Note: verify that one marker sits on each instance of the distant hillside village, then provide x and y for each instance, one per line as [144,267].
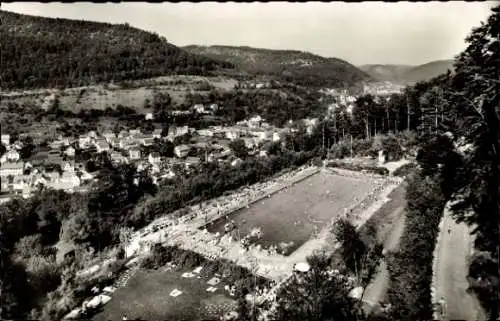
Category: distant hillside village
[64,162]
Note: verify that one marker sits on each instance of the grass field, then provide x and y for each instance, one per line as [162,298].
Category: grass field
[293,214]
[101,97]
[146,296]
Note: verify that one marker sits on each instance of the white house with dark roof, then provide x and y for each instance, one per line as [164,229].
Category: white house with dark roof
[148,141]
[181,150]
[102,146]
[176,131]
[134,153]
[117,158]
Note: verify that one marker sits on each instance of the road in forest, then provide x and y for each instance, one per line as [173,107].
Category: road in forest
[454,248]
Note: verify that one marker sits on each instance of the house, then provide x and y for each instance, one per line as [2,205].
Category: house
[157,133]
[180,112]
[255,122]
[214,107]
[102,146]
[149,116]
[276,137]
[263,153]
[123,134]
[249,143]
[114,142]
[118,158]
[148,141]
[261,135]
[70,152]
[205,132]
[12,169]
[109,136]
[134,153]
[134,132]
[92,134]
[127,142]
[199,108]
[232,134]
[68,181]
[192,161]
[12,155]
[14,183]
[182,151]
[144,139]
[154,158]
[176,131]
[5,138]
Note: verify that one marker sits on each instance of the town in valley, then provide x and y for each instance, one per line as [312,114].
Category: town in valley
[151,179]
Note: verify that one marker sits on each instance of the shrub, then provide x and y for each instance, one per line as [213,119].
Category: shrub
[410,269]
[357,167]
[405,170]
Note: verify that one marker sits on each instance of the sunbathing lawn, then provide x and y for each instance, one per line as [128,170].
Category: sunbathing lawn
[294,213]
[147,296]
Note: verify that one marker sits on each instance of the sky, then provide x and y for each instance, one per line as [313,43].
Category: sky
[361,33]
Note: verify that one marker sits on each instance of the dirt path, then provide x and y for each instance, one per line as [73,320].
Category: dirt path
[377,289]
[451,282]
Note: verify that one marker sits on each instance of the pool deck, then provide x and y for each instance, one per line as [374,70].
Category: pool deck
[277,267]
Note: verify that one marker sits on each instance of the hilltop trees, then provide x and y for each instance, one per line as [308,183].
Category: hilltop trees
[46,52]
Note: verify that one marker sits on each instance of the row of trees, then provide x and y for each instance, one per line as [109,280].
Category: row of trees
[469,177]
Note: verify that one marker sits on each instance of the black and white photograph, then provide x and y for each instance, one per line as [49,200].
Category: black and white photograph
[259,161]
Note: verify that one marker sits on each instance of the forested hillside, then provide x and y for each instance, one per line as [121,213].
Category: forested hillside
[405,74]
[46,52]
[301,67]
